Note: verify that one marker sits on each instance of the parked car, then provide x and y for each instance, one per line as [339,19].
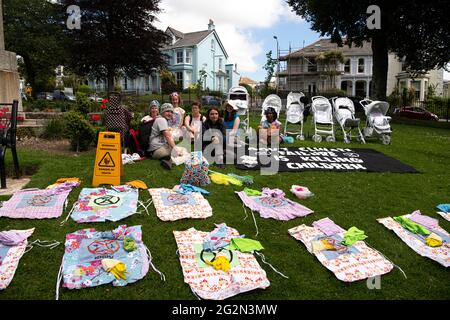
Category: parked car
[64,96]
[211,101]
[44,96]
[415,113]
[95,97]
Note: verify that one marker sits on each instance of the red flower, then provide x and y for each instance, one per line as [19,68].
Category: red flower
[103,106]
[96,117]
[105,101]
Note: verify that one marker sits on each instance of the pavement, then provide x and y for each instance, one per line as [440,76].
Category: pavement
[14,185]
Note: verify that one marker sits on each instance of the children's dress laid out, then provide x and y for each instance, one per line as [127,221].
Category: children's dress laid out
[213,269]
[100,204]
[341,252]
[38,203]
[13,244]
[93,258]
[422,234]
[273,204]
[172,205]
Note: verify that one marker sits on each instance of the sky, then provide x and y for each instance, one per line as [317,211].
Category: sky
[245,27]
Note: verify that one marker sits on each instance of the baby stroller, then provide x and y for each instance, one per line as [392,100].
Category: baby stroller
[294,114]
[239,96]
[274,101]
[377,123]
[322,118]
[344,113]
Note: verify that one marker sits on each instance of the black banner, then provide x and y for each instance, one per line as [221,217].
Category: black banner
[320,159]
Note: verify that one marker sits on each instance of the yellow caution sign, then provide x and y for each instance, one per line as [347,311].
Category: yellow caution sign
[108,159]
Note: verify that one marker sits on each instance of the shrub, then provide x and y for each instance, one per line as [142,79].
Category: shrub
[330,93]
[84,89]
[83,104]
[78,131]
[55,129]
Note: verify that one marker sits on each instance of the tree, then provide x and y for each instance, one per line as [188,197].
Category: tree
[116,36]
[34,31]
[168,82]
[270,68]
[330,61]
[415,30]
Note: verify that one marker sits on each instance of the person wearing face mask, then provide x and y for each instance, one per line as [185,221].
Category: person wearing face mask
[177,121]
[154,111]
[162,144]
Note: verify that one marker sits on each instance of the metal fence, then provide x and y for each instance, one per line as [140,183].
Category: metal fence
[441,108]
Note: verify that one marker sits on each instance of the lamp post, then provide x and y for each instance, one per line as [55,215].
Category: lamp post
[278,63]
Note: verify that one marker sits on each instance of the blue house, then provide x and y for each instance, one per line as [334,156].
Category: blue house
[189,53]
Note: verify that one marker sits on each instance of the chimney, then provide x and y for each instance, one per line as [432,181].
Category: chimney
[211,25]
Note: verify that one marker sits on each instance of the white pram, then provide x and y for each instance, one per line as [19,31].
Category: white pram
[377,123]
[322,113]
[344,113]
[294,114]
[239,96]
[274,101]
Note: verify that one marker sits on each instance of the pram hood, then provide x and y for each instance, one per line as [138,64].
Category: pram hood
[274,101]
[294,107]
[376,108]
[321,109]
[345,102]
[239,96]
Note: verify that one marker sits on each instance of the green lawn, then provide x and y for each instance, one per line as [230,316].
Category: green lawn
[350,199]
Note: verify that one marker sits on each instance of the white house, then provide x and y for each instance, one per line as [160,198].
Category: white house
[188,54]
[301,72]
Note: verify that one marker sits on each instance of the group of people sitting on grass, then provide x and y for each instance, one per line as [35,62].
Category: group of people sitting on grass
[167,125]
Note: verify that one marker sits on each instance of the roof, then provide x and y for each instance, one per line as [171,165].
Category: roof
[247,80]
[323,45]
[187,39]
[177,33]
[221,73]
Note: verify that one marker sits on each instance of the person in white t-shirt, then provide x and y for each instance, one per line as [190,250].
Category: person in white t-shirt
[193,122]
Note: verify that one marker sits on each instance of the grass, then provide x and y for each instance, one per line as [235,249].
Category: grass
[350,199]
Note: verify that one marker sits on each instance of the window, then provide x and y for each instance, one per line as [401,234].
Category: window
[347,66]
[213,45]
[167,58]
[189,56]
[312,66]
[360,65]
[220,63]
[180,56]
[188,78]
[125,84]
[416,86]
[179,77]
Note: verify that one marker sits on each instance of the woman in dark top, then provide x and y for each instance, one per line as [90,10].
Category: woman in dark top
[213,131]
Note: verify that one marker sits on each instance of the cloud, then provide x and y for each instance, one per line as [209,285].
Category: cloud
[234,21]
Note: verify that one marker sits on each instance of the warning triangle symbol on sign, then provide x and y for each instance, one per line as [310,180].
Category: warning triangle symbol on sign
[107,161]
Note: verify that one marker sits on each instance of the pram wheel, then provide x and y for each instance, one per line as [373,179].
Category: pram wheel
[330,139]
[300,137]
[317,138]
[386,139]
